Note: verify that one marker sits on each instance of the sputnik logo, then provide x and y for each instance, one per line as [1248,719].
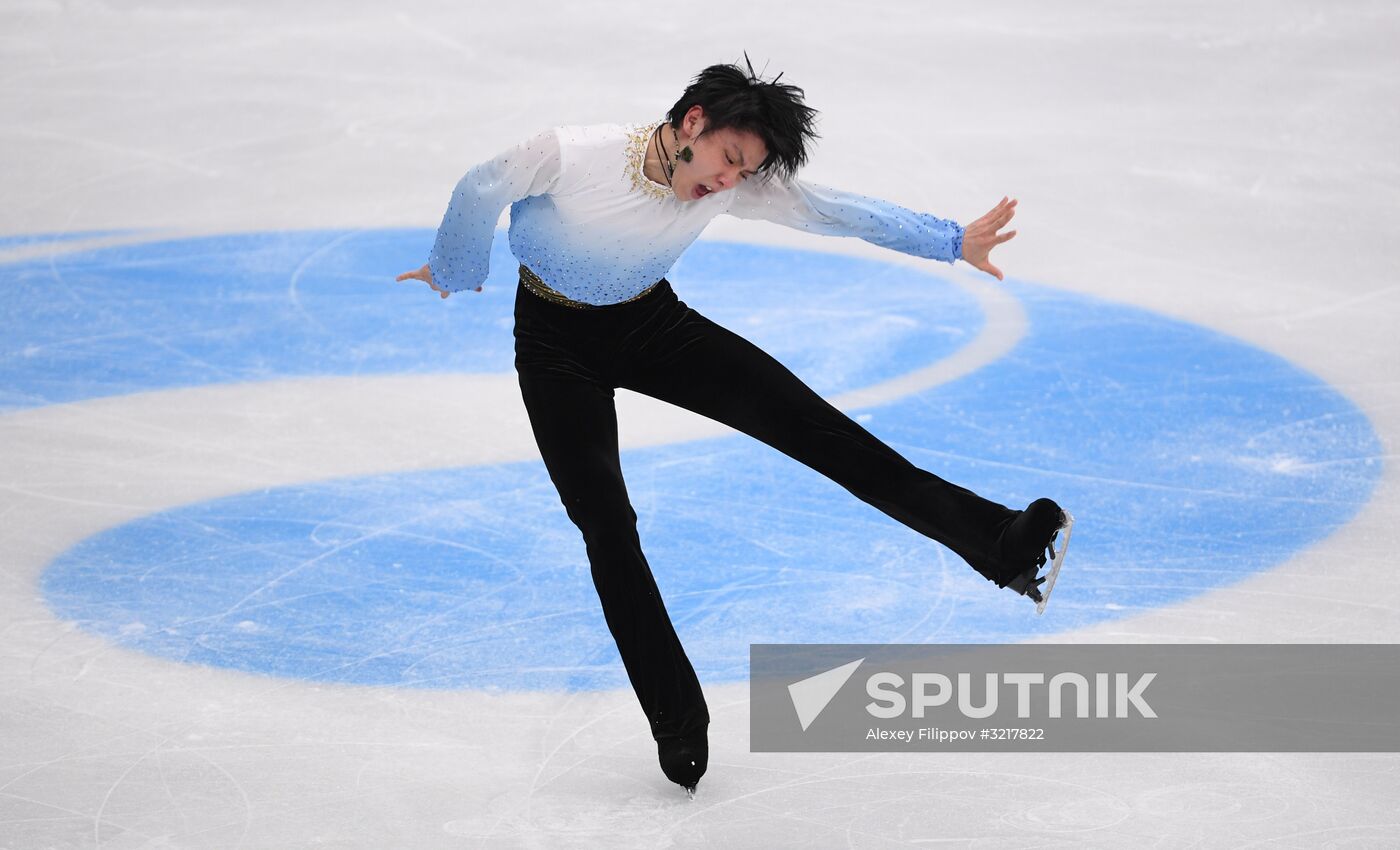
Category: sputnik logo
[812,695]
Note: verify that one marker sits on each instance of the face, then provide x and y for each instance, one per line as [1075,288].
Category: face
[721,158]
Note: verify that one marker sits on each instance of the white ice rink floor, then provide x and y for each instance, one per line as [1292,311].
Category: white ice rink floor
[202,204]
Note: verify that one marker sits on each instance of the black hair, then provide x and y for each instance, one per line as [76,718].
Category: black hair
[738,99]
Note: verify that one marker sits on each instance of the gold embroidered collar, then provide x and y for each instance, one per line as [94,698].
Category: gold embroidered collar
[638,139]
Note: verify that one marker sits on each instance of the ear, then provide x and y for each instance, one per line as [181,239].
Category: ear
[693,124]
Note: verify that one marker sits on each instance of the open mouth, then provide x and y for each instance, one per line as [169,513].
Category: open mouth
[701,191]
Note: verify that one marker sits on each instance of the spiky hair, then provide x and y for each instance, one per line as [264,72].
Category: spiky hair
[736,98]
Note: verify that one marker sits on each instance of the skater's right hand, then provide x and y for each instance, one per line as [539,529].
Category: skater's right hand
[425,274]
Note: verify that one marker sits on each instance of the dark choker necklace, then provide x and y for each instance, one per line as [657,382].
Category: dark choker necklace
[668,168]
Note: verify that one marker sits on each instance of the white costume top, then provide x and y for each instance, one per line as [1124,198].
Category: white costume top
[594,228]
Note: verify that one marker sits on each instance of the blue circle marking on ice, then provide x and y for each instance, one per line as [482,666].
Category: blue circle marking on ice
[1191,459]
[255,307]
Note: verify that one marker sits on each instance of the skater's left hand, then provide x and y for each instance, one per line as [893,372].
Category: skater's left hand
[980,237]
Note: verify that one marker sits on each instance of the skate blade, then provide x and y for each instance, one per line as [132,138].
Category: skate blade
[1063,540]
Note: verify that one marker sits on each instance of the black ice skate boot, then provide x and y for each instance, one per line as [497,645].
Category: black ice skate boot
[1024,545]
[684,758]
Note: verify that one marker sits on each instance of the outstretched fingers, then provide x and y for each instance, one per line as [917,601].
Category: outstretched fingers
[984,234]
[996,217]
[425,274]
[1007,211]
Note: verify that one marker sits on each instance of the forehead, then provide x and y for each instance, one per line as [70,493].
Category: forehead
[747,142]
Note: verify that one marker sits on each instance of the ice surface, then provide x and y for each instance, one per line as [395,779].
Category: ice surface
[1231,166]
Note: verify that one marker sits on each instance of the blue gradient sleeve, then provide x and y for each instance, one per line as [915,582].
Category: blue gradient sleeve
[832,212]
[460,258]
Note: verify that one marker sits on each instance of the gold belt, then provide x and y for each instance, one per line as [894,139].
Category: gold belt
[532,282]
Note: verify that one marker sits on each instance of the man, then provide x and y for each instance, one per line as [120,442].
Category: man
[599,215]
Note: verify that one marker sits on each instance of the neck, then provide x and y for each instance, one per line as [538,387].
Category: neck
[653,166]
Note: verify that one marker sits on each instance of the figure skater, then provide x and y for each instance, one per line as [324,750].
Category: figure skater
[598,216]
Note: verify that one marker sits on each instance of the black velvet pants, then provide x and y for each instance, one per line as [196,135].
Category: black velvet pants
[569,362]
